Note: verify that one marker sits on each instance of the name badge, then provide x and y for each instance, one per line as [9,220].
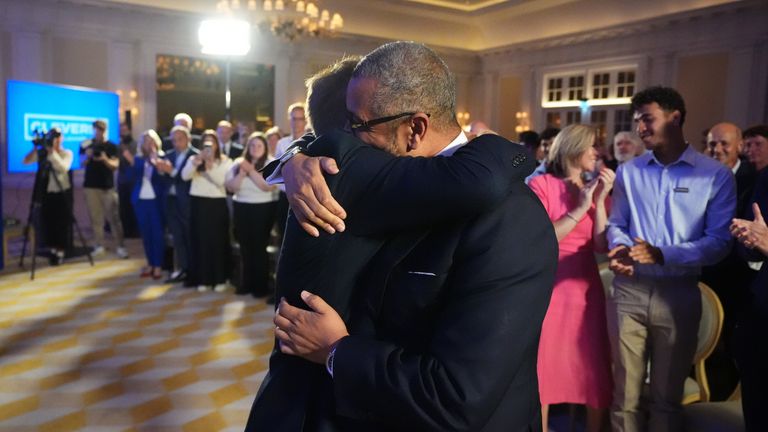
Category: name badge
[681,189]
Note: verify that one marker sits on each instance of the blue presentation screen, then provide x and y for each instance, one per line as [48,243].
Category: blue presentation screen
[44,106]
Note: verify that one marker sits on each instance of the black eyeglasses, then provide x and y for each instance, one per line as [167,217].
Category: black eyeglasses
[367,125]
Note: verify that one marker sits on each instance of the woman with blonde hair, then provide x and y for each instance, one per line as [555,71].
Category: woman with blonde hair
[148,199]
[209,215]
[254,204]
[574,355]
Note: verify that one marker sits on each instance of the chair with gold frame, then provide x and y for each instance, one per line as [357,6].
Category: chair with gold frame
[710,327]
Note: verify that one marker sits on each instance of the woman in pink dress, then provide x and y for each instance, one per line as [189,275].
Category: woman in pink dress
[574,355]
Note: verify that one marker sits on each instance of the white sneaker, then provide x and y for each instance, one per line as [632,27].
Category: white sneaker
[122,253]
[97,251]
[221,287]
[203,288]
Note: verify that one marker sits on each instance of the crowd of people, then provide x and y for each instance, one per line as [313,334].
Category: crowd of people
[673,216]
[205,190]
[429,297]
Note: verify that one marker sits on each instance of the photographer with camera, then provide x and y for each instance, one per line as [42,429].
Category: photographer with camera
[209,215]
[99,157]
[56,202]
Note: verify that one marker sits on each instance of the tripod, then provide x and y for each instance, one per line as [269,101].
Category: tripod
[42,176]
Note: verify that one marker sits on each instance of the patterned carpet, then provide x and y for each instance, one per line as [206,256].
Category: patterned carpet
[99,349]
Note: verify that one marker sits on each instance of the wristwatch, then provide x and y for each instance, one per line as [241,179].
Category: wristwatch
[291,152]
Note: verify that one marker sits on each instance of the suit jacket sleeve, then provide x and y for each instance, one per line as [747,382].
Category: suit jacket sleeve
[387,194]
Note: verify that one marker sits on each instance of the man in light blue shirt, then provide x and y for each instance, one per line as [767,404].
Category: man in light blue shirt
[671,212]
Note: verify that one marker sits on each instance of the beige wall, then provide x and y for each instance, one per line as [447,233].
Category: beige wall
[702,81]
[80,62]
[510,90]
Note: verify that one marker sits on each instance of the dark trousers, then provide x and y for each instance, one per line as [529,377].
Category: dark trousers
[56,215]
[178,225]
[210,262]
[150,220]
[127,215]
[752,359]
[253,223]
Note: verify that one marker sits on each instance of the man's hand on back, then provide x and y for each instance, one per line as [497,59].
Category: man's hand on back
[308,334]
[309,196]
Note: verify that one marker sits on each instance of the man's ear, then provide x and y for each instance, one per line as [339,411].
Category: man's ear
[419,128]
[676,117]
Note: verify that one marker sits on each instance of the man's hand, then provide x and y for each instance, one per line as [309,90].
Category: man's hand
[645,253]
[308,334]
[752,234]
[619,261]
[309,196]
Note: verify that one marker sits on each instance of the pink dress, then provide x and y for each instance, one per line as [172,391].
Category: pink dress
[574,353]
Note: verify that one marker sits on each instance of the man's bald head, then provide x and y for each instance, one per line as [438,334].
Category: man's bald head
[724,143]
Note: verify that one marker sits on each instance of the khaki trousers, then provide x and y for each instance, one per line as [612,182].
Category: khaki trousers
[654,319]
[102,203]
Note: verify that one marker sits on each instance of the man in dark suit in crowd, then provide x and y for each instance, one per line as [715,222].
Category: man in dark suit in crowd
[731,277]
[233,149]
[752,352]
[444,297]
[177,199]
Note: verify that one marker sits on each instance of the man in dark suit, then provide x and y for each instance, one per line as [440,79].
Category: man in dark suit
[752,352]
[731,277]
[451,312]
[232,149]
[177,200]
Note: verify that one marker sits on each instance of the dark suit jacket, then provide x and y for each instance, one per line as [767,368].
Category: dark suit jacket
[382,195]
[182,186]
[450,340]
[235,150]
[759,287]
[731,277]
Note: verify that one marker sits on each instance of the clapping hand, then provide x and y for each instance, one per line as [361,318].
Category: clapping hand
[604,184]
[752,234]
[645,253]
[246,168]
[619,261]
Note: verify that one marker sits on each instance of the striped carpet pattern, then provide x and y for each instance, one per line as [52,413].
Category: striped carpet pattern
[98,349]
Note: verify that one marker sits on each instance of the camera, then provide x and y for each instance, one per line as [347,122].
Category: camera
[97,149]
[45,139]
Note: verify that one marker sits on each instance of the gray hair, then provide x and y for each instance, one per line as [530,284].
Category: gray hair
[627,136]
[186,118]
[410,77]
[182,129]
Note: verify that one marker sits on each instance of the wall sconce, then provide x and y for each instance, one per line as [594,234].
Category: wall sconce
[523,122]
[128,104]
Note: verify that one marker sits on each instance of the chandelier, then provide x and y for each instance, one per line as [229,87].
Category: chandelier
[286,19]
